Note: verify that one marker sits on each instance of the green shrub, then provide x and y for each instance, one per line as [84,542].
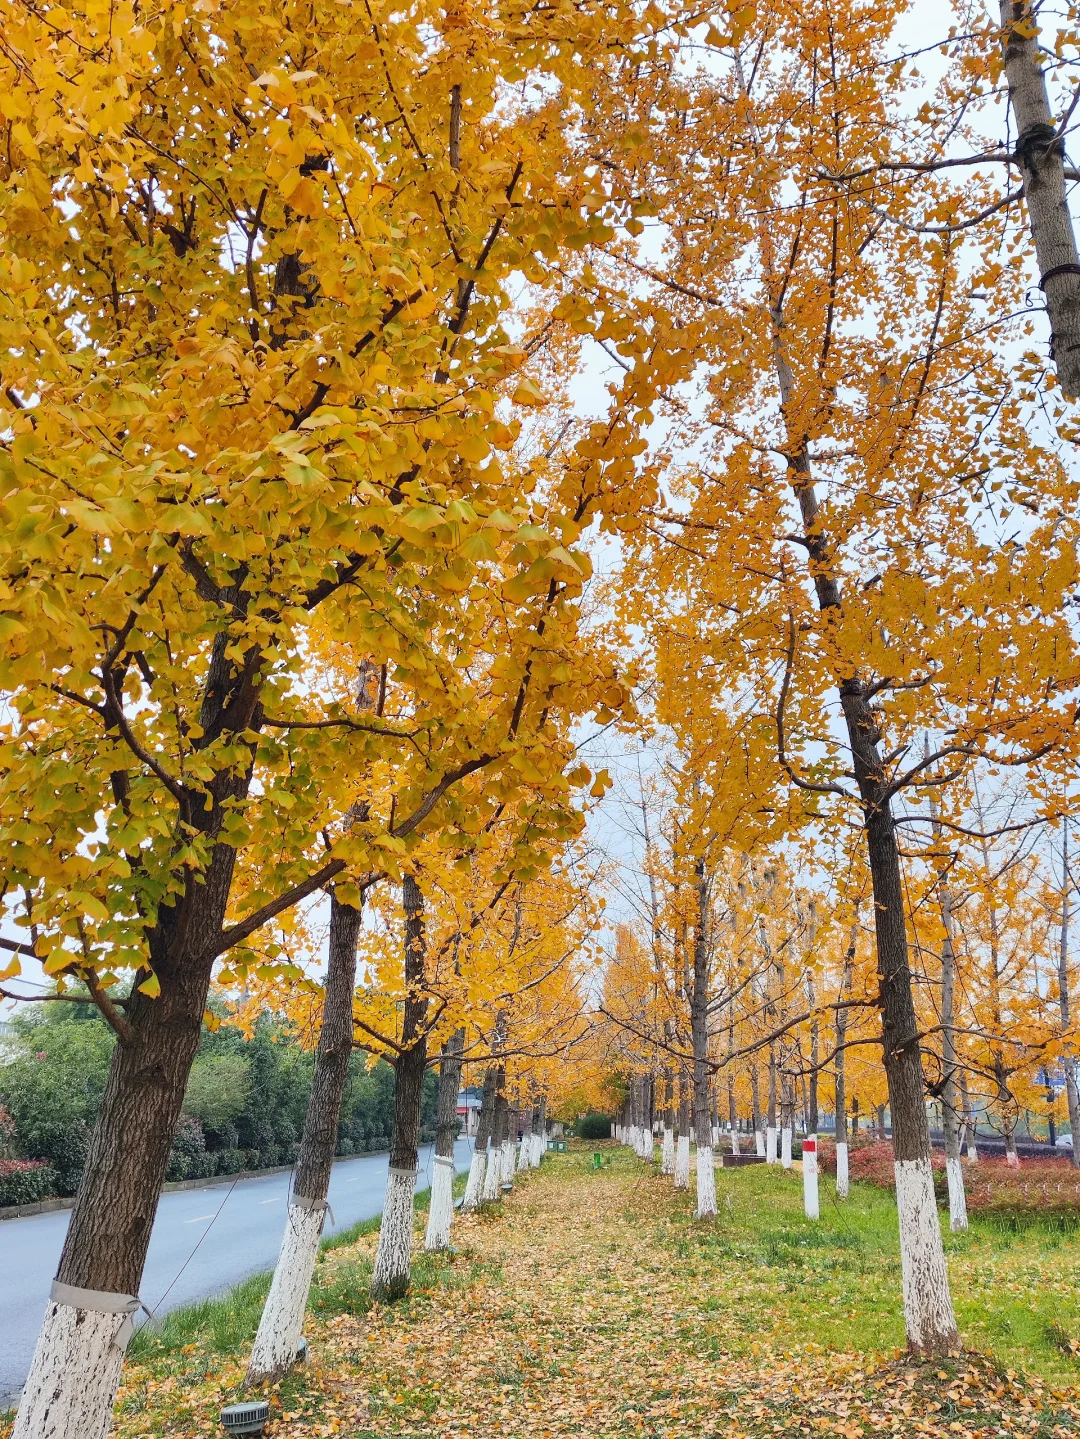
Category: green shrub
[594,1126]
[218,1089]
[53,1086]
[25,1181]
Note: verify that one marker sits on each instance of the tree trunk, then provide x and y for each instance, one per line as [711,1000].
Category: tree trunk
[474,1188]
[541,1132]
[970,1119]
[733,1115]
[682,1145]
[755,1100]
[1040,154]
[392,1271]
[525,1143]
[667,1152]
[278,1340]
[699,1016]
[950,1107]
[441,1208]
[75,1371]
[1068,1059]
[787,1118]
[506,1148]
[771,1130]
[842,1180]
[928,1311]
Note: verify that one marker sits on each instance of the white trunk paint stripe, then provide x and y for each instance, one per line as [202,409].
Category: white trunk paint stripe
[958,1219]
[70,1390]
[441,1206]
[393,1258]
[282,1321]
[682,1162]
[928,1311]
[706,1183]
[842,1183]
[810,1177]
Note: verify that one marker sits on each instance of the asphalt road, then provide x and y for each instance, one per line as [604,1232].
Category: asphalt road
[240,1232]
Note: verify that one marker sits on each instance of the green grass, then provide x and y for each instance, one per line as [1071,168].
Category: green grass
[836,1282]
[226,1324]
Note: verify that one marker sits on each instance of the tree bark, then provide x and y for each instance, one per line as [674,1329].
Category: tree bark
[682,1142]
[842,1180]
[950,1106]
[441,1208]
[755,1100]
[699,1025]
[667,1152]
[280,1327]
[474,1188]
[787,1118]
[392,1271]
[1040,154]
[1068,1058]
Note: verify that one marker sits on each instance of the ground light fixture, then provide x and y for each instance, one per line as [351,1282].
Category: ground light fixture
[246,1418]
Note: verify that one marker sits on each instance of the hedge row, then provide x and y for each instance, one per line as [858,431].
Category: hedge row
[26,1181]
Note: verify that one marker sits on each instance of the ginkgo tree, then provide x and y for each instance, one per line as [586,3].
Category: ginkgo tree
[871,535]
[254,283]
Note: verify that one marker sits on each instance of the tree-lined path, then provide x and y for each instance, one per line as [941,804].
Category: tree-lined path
[590,1303]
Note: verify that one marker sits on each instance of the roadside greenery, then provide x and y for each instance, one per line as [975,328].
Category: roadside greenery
[244,1107]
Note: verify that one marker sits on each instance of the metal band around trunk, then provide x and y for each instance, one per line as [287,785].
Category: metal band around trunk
[444,1159]
[404,1173]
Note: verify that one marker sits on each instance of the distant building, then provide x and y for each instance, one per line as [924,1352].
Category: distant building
[468,1109]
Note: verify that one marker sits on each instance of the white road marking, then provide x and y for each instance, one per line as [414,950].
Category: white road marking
[276,1200]
[198,1219]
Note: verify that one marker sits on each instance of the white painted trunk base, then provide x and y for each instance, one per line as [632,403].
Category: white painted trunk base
[649,1147]
[843,1184]
[1012,1159]
[706,1183]
[682,1162]
[759,1143]
[811,1206]
[537,1150]
[491,1191]
[507,1168]
[474,1185]
[972,1152]
[958,1219]
[281,1325]
[785,1148]
[928,1310]
[73,1379]
[522,1161]
[735,1142]
[393,1258]
[770,1145]
[667,1152]
[441,1209]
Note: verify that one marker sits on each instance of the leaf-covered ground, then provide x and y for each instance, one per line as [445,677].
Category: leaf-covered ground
[590,1303]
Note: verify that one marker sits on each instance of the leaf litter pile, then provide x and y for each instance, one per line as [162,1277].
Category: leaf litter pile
[589,1302]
